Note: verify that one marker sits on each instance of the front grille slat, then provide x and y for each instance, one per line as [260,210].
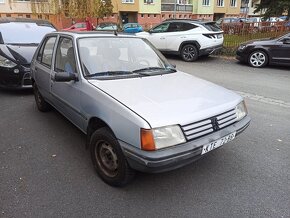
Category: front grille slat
[190,137]
[227,119]
[195,125]
[204,127]
[227,123]
[189,132]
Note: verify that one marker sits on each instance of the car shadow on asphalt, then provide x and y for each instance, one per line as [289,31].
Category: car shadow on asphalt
[15,92]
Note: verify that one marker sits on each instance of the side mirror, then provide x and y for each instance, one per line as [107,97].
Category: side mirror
[65,77]
[286,40]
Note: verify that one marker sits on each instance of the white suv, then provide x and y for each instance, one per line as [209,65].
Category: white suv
[187,38]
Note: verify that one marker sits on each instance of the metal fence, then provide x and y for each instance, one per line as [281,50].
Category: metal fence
[236,33]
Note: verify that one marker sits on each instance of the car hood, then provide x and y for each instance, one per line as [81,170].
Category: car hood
[176,98]
[22,54]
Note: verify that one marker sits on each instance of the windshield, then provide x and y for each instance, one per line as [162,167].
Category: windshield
[115,56]
[23,33]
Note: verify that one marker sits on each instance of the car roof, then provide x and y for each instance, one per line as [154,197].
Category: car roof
[188,21]
[81,34]
[27,20]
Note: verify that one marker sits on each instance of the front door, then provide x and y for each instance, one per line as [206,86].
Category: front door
[66,95]
[281,52]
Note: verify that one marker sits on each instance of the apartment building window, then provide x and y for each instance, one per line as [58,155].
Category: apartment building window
[8,15]
[233,3]
[184,2]
[205,2]
[148,1]
[127,1]
[142,15]
[220,3]
[27,16]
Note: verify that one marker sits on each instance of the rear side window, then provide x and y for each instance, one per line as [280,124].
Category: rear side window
[188,26]
[45,53]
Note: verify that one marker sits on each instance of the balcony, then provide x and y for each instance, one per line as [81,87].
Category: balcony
[179,7]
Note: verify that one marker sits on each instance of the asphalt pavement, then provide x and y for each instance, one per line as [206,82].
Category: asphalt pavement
[45,170]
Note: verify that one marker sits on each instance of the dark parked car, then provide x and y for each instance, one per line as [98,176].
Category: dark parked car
[259,53]
[19,39]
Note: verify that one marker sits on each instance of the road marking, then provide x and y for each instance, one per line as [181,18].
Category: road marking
[264,99]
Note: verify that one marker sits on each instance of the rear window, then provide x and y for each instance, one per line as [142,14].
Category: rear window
[212,27]
[24,32]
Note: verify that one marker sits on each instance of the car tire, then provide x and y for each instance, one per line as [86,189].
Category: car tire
[258,59]
[109,160]
[41,104]
[189,53]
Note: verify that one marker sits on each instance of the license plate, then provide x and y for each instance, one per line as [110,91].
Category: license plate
[218,143]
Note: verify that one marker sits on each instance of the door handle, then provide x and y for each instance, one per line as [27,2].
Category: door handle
[162,38]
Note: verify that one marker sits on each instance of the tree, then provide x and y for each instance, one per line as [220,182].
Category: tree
[74,8]
[273,8]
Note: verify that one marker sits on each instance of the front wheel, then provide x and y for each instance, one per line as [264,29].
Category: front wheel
[189,53]
[108,159]
[258,59]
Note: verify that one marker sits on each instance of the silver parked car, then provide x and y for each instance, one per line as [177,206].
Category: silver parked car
[137,110]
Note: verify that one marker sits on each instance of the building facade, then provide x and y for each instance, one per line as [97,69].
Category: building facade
[146,12]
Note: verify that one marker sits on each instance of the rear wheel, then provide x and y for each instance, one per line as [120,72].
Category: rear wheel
[108,158]
[41,104]
[189,53]
[258,58]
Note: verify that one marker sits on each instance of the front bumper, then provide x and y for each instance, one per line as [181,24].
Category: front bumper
[176,156]
[241,56]
[11,80]
[210,50]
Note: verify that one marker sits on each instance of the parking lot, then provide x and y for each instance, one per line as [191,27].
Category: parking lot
[45,170]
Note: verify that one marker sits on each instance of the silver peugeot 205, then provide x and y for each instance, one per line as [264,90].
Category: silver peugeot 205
[137,110]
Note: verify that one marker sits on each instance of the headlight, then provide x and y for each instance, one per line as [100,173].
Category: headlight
[4,62]
[242,47]
[163,137]
[241,110]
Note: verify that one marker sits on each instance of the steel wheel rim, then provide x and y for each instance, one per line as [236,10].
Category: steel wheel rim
[107,159]
[188,53]
[258,59]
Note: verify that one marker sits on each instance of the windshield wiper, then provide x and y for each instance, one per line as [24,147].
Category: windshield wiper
[150,69]
[110,73]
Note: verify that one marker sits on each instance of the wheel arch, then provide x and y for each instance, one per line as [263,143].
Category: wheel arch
[189,42]
[94,124]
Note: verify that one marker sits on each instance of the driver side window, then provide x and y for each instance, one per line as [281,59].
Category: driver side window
[161,28]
